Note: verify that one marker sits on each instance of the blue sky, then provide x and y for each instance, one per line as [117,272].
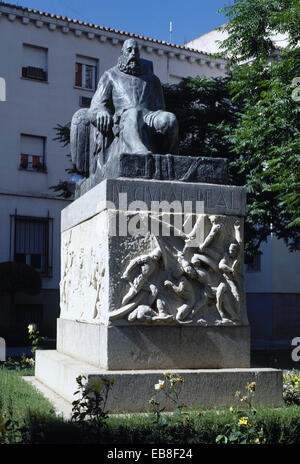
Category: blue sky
[151,18]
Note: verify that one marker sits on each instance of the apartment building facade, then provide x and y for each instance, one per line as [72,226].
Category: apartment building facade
[51,66]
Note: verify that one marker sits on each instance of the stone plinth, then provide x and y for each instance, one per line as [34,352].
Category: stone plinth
[139,288]
[202,388]
[159,347]
[152,280]
[158,167]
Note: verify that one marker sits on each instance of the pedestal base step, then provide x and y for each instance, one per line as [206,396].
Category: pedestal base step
[132,390]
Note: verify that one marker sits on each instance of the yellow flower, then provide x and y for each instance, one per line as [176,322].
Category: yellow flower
[160,385]
[175,380]
[31,328]
[154,402]
[243,421]
[231,409]
[168,375]
[257,440]
[237,394]
[30,361]
[251,386]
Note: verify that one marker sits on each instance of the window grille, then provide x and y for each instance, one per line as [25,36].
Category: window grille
[32,242]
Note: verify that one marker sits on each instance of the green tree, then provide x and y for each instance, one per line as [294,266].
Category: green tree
[63,137]
[204,111]
[266,137]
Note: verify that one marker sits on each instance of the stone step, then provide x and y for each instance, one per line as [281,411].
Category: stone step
[132,389]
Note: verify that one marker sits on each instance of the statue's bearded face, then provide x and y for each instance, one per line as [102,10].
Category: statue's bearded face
[129,61]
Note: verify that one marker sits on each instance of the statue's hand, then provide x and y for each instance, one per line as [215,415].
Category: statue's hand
[104,122]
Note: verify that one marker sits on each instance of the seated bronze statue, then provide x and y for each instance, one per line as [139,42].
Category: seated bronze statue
[127,115]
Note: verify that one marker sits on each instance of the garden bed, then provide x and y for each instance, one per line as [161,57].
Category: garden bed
[27,417]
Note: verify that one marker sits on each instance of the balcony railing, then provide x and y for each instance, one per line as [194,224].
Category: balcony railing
[34,73]
[32,162]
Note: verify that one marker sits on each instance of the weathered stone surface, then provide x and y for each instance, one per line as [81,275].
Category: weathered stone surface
[145,347]
[202,388]
[158,167]
[143,278]
[158,278]
[121,194]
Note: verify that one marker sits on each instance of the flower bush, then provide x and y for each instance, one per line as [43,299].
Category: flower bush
[34,336]
[244,429]
[171,387]
[91,405]
[291,387]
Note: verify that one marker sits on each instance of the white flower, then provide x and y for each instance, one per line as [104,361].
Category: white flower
[159,385]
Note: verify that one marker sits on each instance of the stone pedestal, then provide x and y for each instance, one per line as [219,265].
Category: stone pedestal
[132,389]
[152,279]
[160,347]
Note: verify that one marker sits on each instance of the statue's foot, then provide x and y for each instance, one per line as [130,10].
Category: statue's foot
[189,322]
[163,317]
[225,321]
[202,322]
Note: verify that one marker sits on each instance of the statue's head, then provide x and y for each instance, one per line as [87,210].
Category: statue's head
[216,220]
[186,267]
[156,254]
[129,60]
[234,250]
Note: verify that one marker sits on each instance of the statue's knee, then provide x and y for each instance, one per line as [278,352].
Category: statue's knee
[132,113]
[81,117]
[166,122]
[172,121]
[79,139]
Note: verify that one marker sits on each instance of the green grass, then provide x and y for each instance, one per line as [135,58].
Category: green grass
[19,401]
[32,420]
[18,393]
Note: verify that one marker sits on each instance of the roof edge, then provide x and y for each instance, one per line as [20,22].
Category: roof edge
[102,28]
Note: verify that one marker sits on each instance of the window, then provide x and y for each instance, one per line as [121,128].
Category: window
[85,102]
[32,239]
[32,157]
[34,62]
[86,72]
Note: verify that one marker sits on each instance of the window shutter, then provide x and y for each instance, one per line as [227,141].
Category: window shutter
[78,75]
